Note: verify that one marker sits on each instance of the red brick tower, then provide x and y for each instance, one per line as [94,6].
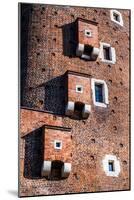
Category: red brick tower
[74,126]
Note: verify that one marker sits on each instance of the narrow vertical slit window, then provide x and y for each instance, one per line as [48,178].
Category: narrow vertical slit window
[106,52]
[111,166]
[116,17]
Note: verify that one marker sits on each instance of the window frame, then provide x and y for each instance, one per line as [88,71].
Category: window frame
[79,86]
[105,93]
[111,51]
[102,92]
[58,141]
[112,12]
[111,158]
[87,30]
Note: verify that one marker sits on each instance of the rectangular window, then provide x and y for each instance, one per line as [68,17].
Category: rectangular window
[99,92]
[107,53]
[116,17]
[111,166]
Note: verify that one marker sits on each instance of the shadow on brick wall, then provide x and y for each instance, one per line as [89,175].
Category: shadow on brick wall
[34,157]
[34,154]
[69,36]
[54,95]
[24,12]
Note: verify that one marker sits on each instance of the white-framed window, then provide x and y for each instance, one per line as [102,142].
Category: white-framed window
[79,88]
[99,92]
[111,165]
[107,53]
[57,144]
[116,17]
[88,33]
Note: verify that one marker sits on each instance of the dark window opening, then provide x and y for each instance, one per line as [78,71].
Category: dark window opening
[111,166]
[78,110]
[116,17]
[58,144]
[99,93]
[79,89]
[56,170]
[87,50]
[88,33]
[79,106]
[107,53]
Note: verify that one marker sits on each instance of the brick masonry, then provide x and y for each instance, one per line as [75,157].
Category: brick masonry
[73,81]
[47,52]
[53,154]
[93,40]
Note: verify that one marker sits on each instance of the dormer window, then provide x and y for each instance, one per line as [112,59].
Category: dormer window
[116,17]
[87,39]
[88,33]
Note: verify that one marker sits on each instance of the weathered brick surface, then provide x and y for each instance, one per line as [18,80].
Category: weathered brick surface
[82,38]
[77,79]
[63,154]
[106,131]
[31,120]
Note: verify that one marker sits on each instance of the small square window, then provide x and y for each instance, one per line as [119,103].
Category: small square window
[111,166]
[99,92]
[88,33]
[57,144]
[79,88]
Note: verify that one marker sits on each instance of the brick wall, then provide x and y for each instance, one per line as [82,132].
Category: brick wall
[50,53]
[51,153]
[85,82]
[82,26]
